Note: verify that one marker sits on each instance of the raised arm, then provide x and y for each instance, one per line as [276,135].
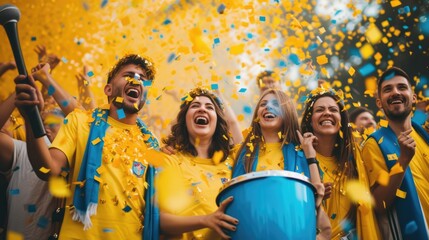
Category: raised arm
[6,143]
[66,102]
[86,97]
[6,66]
[41,158]
[234,127]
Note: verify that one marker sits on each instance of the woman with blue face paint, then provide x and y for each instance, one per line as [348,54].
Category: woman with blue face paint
[272,143]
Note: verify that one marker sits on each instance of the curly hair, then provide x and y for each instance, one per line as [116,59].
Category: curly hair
[288,133]
[179,136]
[143,62]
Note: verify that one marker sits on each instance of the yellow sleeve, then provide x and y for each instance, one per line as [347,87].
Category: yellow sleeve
[66,139]
[373,160]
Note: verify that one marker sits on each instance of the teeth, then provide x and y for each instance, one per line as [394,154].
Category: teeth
[327,122]
[201,121]
[269,115]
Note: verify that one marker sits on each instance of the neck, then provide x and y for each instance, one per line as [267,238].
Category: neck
[128,119]
[270,136]
[399,126]
[326,145]
[202,147]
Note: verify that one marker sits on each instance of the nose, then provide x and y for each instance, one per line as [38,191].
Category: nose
[327,112]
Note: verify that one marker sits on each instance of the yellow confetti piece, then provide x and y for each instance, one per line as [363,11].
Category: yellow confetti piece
[322,59]
[136,106]
[217,157]
[395,3]
[81,184]
[280,135]
[225,137]
[240,117]
[340,133]
[119,99]
[366,51]
[401,194]
[98,179]
[322,30]
[352,71]
[101,169]
[96,141]
[373,34]
[384,123]
[396,169]
[44,170]
[58,187]
[383,178]
[381,140]
[358,192]
[392,157]
[237,49]
[11,235]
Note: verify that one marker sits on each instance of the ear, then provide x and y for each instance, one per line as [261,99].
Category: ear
[414,100]
[108,90]
[378,103]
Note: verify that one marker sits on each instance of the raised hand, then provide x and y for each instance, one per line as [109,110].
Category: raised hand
[407,146]
[27,94]
[308,141]
[41,52]
[219,220]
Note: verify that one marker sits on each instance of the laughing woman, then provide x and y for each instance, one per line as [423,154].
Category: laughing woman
[272,144]
[202,162]
[340,161]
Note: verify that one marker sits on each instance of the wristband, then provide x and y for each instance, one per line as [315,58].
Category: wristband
[312,160]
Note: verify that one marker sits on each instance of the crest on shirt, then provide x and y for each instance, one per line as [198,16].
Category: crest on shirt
[138,169]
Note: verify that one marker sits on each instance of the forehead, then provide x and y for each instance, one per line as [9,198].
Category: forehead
[268,78]
[394,81]
[202,99]
[131,68]
[268,97]
[365,115]
[325,101]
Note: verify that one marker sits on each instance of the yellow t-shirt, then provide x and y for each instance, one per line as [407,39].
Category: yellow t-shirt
[338,205]
[122,173]
[419,165]
[271,158]
[203,179]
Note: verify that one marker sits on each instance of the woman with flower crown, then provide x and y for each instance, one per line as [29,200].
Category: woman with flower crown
[340,162]
[202,164]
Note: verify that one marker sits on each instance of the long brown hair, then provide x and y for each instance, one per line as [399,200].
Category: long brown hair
[255,139]
[179,136]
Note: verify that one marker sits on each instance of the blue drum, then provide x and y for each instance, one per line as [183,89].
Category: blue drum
[271,204]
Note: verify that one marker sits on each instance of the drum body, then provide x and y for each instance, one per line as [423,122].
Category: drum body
[271,205]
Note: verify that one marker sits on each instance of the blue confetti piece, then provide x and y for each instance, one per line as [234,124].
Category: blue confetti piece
[51,90]
[161,36]
[104,3]
[205,31]
[126,209]
[31,208]
[195,184]
[333,21]
[346,225]
[390,76]
[166,22]
[107,230]
[238,77]
[247,109]
[90,74]
[367,69]
[249,35]
[159,97]
[65,103]
[295,59]
[147,83]
[405,27]
[171,57]
[266,49]
[215,86]
[16,169]
[33,39]
[216,41]
[121,113]
[124,36]
[65,121]
[64,60]
[337,12]
[262,18]
[43,222]
[312,46]
[282,63]
[333,216]
[242,90]
[155,30]
[14,191]
[221,8]
[302,99]
[232,26]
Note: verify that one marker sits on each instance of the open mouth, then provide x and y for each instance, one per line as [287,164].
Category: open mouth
[327,123]
[269,115]
[396,101]
[132,92]
[201,120]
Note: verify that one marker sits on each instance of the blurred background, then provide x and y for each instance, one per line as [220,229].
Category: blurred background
[225,44]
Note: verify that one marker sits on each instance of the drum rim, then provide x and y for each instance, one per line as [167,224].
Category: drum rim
[263,174]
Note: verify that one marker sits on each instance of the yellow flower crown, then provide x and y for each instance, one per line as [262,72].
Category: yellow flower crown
[198,91]
[321,91]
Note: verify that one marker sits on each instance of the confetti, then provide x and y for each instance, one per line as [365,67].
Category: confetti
[401,194]
[358,192]
[11,235]
[384,123]
[121,114]
[58,187]
[96,141]
[44,170]
[126,209]
[217,157]
[322,60]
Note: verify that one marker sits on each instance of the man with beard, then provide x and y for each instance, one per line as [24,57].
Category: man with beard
[396,157]
[104,153]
